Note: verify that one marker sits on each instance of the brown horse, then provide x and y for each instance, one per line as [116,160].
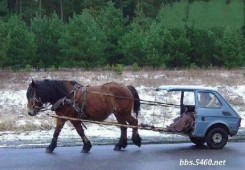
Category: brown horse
[68,98]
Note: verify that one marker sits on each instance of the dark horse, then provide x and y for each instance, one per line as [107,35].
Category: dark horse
[68,98]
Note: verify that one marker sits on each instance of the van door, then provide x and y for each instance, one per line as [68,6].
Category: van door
[208,108]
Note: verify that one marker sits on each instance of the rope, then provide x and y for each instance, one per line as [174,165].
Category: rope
[147,102]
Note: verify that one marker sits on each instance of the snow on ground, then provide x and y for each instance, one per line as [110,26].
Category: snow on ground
[13,102]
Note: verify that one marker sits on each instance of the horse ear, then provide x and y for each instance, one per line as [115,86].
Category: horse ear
[33,83]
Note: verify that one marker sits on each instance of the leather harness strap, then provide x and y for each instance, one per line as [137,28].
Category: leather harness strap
[65,100]
[82,113]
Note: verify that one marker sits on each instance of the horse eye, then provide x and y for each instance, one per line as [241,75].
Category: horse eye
[32,92]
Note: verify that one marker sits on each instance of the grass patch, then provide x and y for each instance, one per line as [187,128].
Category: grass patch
[11,122]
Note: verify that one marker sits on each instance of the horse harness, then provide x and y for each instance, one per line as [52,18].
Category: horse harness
[73,102]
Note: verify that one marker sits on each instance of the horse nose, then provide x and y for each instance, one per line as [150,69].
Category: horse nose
[31,112]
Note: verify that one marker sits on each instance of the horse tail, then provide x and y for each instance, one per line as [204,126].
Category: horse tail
[136,100]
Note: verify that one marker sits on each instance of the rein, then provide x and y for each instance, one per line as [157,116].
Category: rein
[45,108]
[73,103]
[80,110]
[146,102]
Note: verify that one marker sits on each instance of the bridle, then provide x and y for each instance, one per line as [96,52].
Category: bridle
[45,107]
[35,99]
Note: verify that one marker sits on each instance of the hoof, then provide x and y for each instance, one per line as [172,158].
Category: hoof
[117,148]
[124,144]
[85,151]
[86,147]
[137,140]
[48,150]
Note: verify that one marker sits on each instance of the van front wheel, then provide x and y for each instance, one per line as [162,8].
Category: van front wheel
[217,138]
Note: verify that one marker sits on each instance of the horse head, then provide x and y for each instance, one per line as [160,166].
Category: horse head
[44,92]
[35,103]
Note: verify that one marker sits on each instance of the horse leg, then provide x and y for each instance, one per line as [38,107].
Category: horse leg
[135,135]
[59,125]
[123,138]
[86,143]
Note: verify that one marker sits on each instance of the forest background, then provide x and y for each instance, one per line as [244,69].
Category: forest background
[88,34]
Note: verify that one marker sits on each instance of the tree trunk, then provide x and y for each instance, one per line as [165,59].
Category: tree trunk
[61,10]
[20,8]
[40,8]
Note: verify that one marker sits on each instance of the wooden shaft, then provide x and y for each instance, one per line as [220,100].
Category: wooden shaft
[107,123]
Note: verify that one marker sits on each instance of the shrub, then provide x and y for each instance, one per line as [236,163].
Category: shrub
[107,67]
[193,66]
[52,68]
[118,69]
[135,67]
[28,68]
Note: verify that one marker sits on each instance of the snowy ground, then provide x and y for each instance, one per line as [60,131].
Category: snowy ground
[17,129]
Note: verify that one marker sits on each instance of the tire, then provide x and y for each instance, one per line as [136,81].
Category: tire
[217,138]
[198,141]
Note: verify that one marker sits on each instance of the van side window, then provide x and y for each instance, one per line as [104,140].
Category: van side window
[189,98]
[208,100]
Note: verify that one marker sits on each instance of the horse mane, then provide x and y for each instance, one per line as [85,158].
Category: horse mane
[51,90]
